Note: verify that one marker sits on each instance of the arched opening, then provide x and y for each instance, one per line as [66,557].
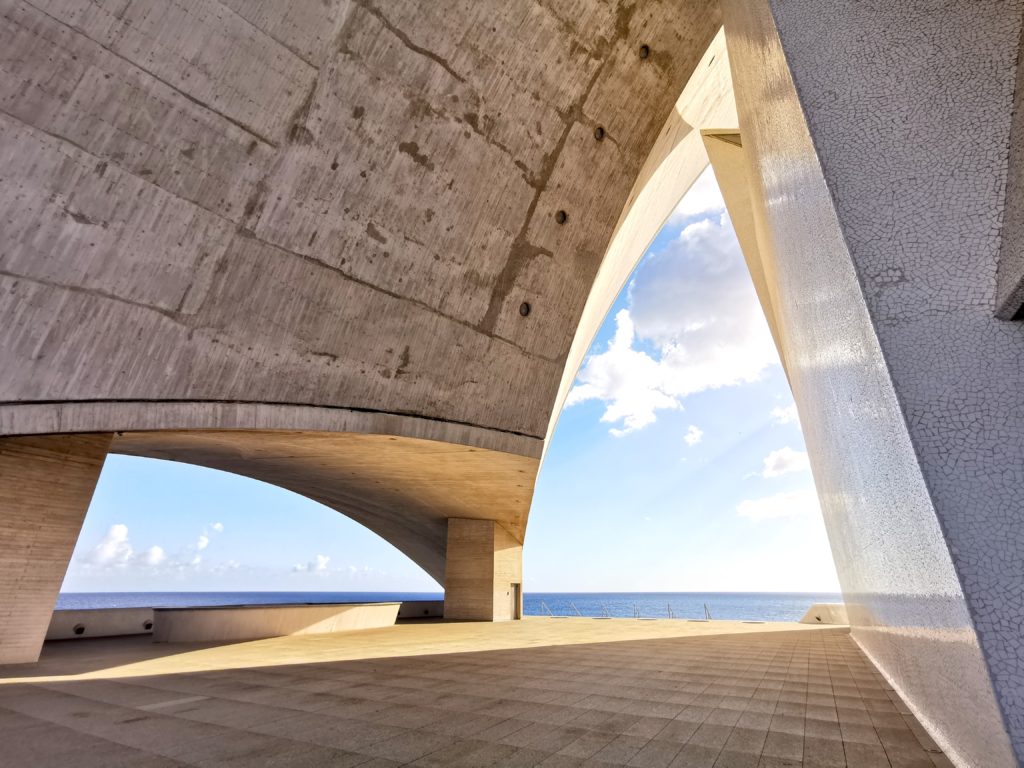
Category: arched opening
[169,527]
[678,466]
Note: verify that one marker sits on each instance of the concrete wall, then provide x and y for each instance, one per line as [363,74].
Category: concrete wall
[252,622]
[877,139]
[46,484]
[421,609]
[99,622]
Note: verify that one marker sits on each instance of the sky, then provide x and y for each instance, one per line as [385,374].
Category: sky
[678,464]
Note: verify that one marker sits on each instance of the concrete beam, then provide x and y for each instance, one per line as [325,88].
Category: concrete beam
[46,484]
[483,572]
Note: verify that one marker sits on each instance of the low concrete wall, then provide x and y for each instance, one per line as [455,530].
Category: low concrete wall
[99,622]
[826,613]
[421,609]
[252,622]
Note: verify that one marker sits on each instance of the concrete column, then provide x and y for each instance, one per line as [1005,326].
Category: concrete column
[483,572]
[46,483]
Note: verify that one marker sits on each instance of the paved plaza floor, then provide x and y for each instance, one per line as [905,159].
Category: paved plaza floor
[551,692]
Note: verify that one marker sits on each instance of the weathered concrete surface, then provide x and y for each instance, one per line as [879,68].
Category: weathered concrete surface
[45,487]
[333,205]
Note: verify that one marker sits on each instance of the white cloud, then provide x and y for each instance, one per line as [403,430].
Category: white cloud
[693,435]
[694,324]
[154,556]
[784,461]
[114,548]
[784,415]
[630,382]
[790,504]
[203,542]
[218,527]
[317,566]
[703,197]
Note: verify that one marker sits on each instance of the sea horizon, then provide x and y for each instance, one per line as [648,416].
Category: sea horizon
[743,606]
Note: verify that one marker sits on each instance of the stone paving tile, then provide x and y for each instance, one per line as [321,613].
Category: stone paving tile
[773,700]
[587,745]
[695,756]
[620,750]
[730,759]
[656,753]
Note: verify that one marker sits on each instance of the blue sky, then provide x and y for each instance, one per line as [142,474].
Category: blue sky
[677,465]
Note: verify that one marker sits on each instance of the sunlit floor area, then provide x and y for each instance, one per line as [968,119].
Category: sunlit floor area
[552,692]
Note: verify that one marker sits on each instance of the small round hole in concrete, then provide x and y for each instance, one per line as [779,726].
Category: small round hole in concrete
[599,133]
[645,51]
[147,625]
[524,309]
[79,629]
[561,217]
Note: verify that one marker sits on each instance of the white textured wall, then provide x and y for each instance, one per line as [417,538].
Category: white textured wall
[877,138]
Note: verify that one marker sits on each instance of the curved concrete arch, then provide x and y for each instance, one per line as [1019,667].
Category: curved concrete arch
[362,241]
[403,489]
[301,230]
[675,161]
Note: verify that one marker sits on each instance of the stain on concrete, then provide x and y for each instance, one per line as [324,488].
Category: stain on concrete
[403,362]
[375,233]
[412,149]
[81,218]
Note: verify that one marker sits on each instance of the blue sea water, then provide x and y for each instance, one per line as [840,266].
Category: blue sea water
[744,606]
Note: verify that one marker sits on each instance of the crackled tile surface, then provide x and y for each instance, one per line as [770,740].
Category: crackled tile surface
[878,138]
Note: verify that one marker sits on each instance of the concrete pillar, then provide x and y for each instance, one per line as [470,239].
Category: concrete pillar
[46,483]
[483,572]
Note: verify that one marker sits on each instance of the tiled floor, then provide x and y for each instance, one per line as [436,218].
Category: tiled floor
[799,698]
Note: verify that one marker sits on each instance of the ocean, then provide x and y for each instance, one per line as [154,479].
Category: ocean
[743,606]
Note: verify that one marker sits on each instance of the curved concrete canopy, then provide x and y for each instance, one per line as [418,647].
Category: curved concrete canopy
[335,218]
[401,488]
[327,205]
